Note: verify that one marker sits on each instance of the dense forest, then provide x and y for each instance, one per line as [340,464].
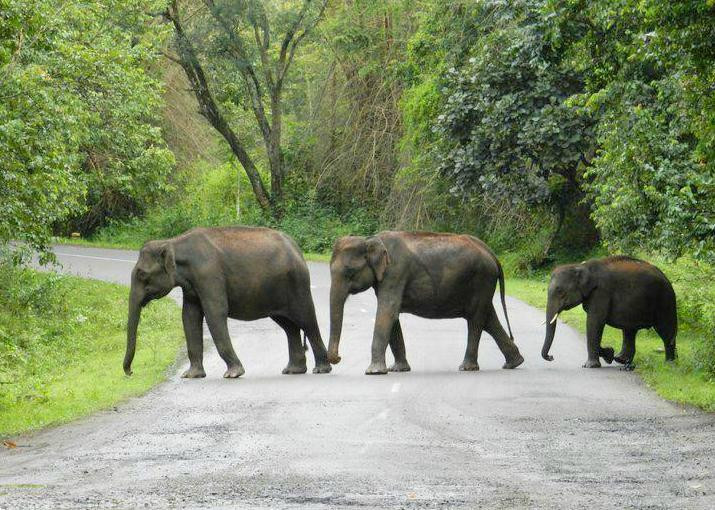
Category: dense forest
[536,122]
[553,129]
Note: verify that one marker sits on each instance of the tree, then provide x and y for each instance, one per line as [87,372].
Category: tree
[647,68]
[507,128]
[77,113]
[237,42]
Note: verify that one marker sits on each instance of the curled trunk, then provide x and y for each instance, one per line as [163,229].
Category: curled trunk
[337,305]
[132,325]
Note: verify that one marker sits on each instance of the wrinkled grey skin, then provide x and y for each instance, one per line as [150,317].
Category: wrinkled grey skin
[437,276]
[238,272]
[621,292]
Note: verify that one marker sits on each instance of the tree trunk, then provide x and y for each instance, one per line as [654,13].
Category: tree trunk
[274,154]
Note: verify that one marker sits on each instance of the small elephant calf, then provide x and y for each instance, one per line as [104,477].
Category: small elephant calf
[622,292]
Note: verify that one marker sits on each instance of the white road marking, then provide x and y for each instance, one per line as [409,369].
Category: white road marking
[92,257]
[395,387]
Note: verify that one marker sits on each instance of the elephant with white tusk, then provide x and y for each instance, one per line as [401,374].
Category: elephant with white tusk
[621,292]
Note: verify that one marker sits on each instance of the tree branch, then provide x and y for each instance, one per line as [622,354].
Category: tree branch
[290,43]
[246,69]
[209,109]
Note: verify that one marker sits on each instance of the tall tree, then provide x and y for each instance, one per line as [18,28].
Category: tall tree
[507,127]
[234,61]
[78,113]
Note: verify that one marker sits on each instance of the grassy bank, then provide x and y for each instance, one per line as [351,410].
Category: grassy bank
[62,342]
[688,381]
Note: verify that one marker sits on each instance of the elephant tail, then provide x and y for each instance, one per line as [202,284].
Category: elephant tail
[503,299]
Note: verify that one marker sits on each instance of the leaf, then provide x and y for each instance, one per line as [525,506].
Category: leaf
[9,444]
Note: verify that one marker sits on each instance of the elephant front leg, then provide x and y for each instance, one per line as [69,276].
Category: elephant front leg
[594,332]
[193,318]
[387,314]
[397,346]
[218,326]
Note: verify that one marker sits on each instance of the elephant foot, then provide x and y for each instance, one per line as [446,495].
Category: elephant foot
[469,366]
[622,359]
[194,373]
[607,354]
[376,369]
[333,358]
[322,368]
[400,366]
[518,360]
[292,369]
[592,363]
[234,372]
[628,367]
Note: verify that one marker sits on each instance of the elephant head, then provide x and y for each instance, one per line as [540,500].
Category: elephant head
[569,286]
[153,277]
[357,264]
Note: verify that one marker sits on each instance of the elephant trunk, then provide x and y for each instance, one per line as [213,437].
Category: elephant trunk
[338,296]
[552,313]
[135,307]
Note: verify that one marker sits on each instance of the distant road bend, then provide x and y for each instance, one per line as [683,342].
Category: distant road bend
[546,435]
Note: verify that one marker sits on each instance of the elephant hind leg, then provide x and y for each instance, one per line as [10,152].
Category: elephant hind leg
[506,345]
[304,317]
[628,348]
[667,333]
[471,355]
[296,352]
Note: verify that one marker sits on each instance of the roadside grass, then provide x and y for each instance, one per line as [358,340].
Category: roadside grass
[62,342]
[684,382]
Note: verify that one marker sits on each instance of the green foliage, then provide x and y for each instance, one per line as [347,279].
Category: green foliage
[211,201]
[506,128]
[647,66]
[62,341]
[77,114]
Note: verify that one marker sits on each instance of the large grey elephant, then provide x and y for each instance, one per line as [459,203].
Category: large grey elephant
[622,292]
[238,272]
[432,275]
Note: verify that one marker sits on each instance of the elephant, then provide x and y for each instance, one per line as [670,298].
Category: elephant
[244,273]
[432,275]
[620,291]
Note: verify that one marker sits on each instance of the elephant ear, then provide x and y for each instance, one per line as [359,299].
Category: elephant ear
[586,280]
[377,257]
[167,257]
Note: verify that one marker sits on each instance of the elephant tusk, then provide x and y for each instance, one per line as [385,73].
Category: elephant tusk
[554,319]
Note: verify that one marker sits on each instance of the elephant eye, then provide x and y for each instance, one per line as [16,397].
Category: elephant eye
[141,274]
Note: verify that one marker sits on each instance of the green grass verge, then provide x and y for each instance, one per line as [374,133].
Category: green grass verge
[62,342]
[682,382]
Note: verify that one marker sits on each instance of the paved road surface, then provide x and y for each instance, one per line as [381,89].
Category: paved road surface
[542,436]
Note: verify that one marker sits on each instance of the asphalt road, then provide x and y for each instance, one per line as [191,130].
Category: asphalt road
[546,435]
